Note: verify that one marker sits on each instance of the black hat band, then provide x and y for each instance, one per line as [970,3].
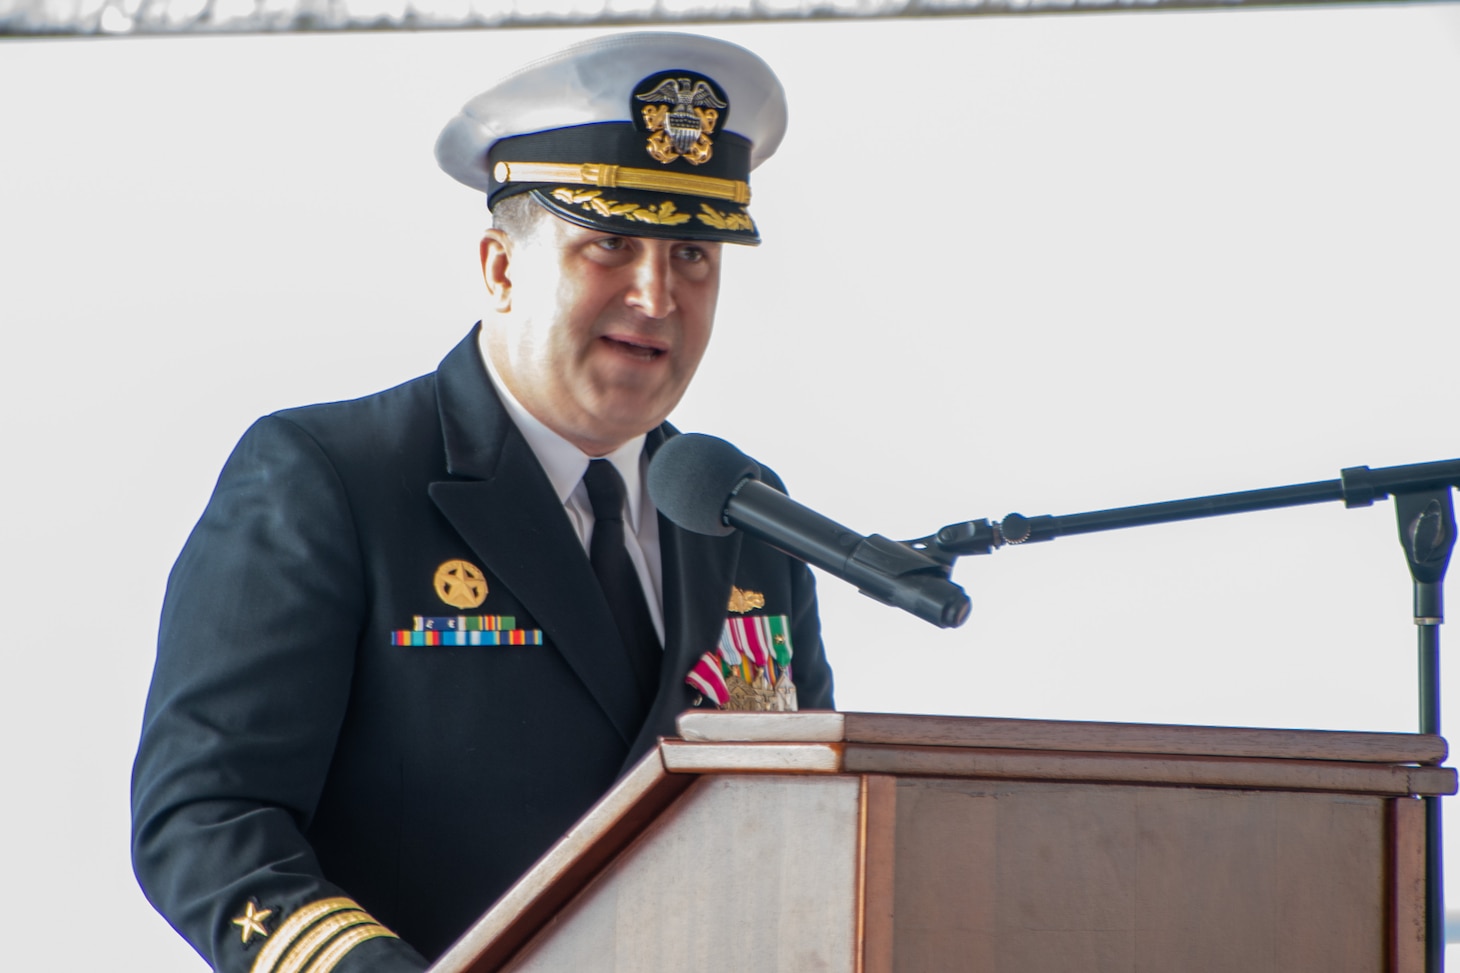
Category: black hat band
[608,176]
[614,144]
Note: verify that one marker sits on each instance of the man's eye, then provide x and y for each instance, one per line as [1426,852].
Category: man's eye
[611,243]
[691,253]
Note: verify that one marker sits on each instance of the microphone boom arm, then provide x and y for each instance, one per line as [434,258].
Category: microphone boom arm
[1357,486]
[1424,504]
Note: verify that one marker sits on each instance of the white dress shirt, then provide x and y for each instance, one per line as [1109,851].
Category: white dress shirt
[565,465]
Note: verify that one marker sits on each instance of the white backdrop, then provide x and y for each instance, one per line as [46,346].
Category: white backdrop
[1048,265]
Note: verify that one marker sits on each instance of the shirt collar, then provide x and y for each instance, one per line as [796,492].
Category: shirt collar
[563,462]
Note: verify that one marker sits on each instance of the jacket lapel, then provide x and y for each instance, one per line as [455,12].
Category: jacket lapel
[698,572]
[505,508]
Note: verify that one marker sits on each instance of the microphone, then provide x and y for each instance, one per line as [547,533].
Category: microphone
[707,486]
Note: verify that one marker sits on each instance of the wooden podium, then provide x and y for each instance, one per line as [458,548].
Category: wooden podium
[862,843]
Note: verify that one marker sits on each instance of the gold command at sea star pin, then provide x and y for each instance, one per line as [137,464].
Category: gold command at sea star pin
[252,921]
[742,601]
[460,584]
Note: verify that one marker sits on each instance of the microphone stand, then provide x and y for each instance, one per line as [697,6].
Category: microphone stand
[1425,509]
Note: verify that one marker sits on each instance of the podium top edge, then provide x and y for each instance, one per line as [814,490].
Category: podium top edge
[813,726]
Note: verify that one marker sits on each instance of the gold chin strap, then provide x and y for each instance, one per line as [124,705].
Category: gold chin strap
[609,176]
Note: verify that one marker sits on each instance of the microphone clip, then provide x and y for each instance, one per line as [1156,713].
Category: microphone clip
[898,574]
[956,540]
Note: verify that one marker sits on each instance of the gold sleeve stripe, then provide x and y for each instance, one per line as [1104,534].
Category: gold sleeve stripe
[327,960]
[610,177]
[299,920]
[320,933]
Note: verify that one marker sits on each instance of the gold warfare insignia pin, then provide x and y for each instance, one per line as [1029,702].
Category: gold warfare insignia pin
[681,112]
[460,584]
[742,601]
[252,921]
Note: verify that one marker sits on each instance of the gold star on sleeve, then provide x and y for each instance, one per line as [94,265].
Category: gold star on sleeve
[252,921]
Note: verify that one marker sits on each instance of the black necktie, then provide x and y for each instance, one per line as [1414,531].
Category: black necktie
[617,577]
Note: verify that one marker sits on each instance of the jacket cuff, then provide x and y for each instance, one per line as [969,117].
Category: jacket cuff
[317,938]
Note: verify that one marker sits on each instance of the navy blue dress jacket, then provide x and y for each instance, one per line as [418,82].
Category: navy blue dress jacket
[306,791]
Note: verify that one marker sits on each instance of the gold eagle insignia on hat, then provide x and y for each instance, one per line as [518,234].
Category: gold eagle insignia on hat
[681,114]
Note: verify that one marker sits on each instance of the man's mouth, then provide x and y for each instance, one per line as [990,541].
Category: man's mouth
[640,348]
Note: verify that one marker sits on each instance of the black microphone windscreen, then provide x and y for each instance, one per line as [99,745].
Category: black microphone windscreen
[691,478]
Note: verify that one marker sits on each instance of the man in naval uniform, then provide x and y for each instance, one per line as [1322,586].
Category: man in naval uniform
[415,636]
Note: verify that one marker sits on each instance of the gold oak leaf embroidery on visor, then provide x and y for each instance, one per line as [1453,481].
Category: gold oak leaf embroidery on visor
[665,214]
[725,221]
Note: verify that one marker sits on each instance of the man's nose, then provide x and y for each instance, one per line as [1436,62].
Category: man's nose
[652,290]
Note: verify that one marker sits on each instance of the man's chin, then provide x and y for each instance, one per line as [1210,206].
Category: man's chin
[603,431]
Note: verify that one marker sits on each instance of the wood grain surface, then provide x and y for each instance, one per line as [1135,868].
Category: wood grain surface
[682,757]
[879,861]
[1317,775]
[1208,741]
[1048,878]
[961,731]
[1407,819]
[609,826]
[873,843]
[742,873]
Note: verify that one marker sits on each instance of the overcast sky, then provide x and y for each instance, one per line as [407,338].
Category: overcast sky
[1046,264]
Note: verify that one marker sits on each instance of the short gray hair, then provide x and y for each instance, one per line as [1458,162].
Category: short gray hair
[518,216]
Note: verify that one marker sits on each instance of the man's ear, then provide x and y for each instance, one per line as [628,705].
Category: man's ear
[496,268]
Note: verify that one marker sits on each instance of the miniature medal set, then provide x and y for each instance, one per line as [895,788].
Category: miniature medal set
[749,670]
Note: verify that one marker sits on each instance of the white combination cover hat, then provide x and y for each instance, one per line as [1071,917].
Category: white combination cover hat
[650,134]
